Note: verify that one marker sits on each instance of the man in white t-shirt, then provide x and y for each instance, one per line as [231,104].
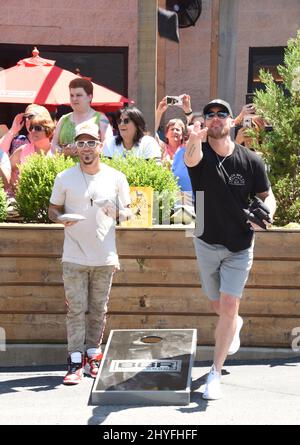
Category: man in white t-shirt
[88,199]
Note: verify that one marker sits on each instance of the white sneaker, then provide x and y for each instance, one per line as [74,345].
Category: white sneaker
[236,343]
[213,385]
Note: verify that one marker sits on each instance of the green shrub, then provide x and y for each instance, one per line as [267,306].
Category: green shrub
[147,173]
[35,185]
[3,203]
[280,105]
[38,173]
[142,173]
[288,200]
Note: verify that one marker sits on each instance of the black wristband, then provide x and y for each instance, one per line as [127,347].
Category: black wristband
[189,113]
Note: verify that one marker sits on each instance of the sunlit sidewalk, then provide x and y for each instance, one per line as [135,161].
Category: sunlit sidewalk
[255,392]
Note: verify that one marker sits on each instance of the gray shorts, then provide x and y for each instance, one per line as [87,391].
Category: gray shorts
[222,270]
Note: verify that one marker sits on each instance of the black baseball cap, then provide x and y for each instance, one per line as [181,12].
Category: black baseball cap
[219,103]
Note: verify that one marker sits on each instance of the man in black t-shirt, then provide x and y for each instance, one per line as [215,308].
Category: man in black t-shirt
[229,175]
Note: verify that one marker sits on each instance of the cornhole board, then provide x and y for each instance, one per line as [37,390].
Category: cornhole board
[146,367]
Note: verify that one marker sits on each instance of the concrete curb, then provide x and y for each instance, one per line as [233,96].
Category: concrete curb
[56,354]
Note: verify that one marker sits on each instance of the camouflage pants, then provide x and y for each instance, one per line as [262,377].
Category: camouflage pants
[87,291]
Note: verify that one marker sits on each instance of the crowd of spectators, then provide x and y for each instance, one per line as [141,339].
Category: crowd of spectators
[129,134]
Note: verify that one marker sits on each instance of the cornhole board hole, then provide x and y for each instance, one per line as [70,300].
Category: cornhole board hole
[146,367]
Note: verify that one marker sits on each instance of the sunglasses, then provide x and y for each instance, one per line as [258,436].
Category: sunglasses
[27,116]
[37,128]
[89,144]
[125,121]
[219,114]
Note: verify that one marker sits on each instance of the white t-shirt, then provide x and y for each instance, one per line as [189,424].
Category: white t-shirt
[90,242]
[5,162]
[147,148]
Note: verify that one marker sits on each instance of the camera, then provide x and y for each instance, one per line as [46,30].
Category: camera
[174,100]
[247,122]
[258,212]
[249,98]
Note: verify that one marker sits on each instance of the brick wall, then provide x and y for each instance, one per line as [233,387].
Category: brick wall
[73,22]
[267,23]
[260,23]
[188,64]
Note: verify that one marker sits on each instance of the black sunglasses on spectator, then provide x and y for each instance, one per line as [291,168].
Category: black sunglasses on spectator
[219,114]
[125,121]
[37,128]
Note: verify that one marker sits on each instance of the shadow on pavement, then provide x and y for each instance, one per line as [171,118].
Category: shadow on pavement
[41,380]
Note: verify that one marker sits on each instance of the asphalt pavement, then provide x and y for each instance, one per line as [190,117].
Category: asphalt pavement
[256,392]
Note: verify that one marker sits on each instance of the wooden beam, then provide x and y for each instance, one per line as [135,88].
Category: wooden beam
[214,48]
[161,62]
[147,60]
[227,50]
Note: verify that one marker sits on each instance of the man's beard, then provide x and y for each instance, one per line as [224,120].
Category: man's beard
[217,132]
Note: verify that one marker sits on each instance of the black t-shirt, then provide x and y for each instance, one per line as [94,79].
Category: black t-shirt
[227,190]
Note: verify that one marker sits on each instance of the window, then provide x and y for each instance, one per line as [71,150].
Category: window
[266,58]
[107,66]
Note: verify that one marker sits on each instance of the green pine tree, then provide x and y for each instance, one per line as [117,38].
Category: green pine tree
[280,106]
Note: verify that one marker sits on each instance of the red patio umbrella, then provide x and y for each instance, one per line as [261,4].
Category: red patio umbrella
[40,81]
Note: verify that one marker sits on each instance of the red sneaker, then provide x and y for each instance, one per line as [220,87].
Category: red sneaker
[74,374]
[92,365]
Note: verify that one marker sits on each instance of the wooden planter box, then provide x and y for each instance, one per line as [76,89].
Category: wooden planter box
[157,287]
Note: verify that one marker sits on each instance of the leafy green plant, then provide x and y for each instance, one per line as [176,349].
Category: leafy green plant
[288,199]
[143,173]
[147,173]
[37,177]
[35,185]
[280,106]
[3,203]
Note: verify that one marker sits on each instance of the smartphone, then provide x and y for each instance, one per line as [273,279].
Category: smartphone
[249,98]
[247,122]
[268,128]
[174,100]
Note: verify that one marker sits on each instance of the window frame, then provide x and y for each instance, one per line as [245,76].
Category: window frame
[27,52]
[254,52]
